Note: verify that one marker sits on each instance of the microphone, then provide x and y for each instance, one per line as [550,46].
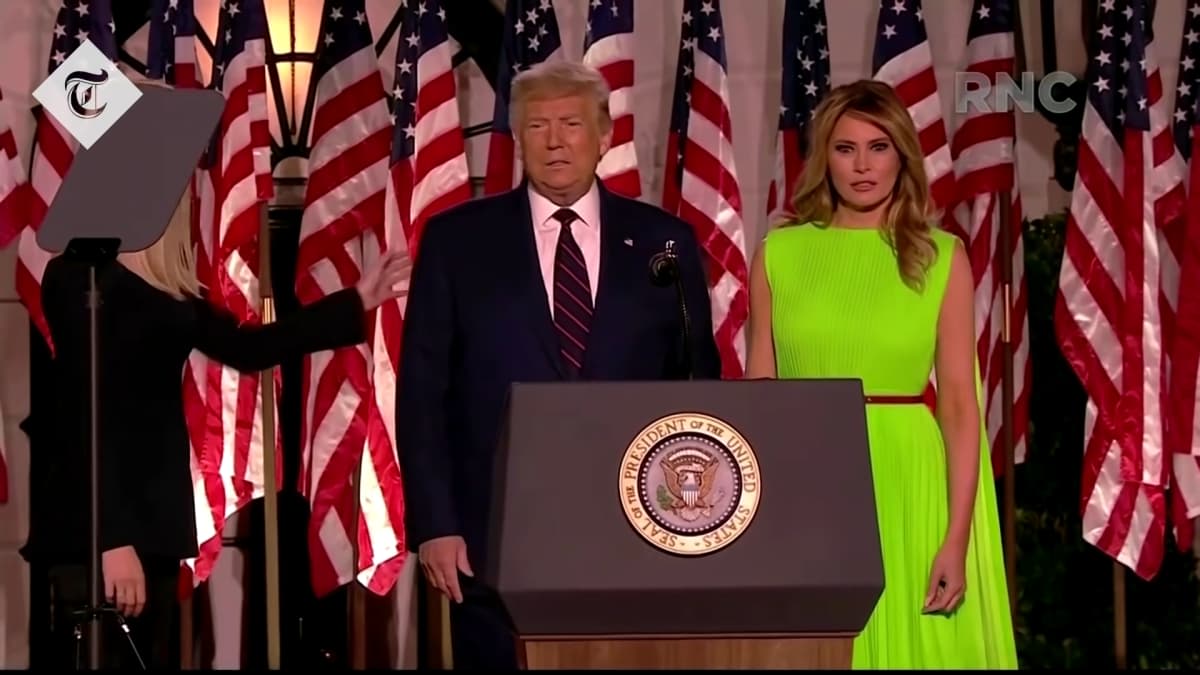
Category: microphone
[664,271]
[664,265]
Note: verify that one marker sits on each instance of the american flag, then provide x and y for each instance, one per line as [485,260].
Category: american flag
[171,57]
[343,201]
[14,187]
[530,37]
[805,82]
[903,59]
[14,214]
[428,163]
[428,173]
[1128,185]
[235,180]
[700,182]
[608,47]
[984,149]
[171,48]
[54,148]
[1181,314]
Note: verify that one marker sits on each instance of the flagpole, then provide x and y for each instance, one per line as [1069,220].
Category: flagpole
[1007,388]
[271,494]
[355,596]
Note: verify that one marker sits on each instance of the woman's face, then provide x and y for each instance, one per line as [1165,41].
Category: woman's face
[863,163]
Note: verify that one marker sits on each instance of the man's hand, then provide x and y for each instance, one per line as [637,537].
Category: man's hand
[124,582]
[442,559]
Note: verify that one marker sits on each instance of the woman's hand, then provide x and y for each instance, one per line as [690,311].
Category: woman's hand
[387,279]
[124,581]
[947,579]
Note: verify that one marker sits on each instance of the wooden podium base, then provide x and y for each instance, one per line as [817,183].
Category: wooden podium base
[827,652]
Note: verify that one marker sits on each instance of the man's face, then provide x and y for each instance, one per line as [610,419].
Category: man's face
[561,142]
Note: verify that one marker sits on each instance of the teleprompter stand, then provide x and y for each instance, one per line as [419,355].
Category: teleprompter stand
[96,253]
[118,196]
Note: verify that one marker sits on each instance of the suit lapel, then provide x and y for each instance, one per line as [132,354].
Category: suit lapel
[617,269]
[536,303]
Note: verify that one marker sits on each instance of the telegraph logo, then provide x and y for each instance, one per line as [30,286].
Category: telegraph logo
[83,93]
[86,94]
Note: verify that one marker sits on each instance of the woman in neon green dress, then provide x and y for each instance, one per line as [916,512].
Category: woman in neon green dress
[861,285]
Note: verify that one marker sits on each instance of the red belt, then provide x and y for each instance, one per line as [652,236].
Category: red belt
[895,400]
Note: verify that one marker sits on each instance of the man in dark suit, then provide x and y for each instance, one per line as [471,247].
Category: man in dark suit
[547,282]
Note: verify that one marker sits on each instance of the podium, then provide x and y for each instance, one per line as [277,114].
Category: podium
[701,524]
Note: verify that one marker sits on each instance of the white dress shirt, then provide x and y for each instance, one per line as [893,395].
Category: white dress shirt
[585,229]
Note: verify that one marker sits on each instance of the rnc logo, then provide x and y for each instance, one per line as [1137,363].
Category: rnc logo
[86,94]
[973,92]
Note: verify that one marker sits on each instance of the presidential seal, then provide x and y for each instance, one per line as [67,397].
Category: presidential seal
[689,483]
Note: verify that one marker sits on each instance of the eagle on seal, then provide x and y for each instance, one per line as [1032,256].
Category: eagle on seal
[690,476]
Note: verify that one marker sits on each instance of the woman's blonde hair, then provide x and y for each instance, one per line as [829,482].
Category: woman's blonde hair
[169,264]
[907,224]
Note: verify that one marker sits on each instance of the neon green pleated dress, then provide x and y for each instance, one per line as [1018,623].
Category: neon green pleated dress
[840,309]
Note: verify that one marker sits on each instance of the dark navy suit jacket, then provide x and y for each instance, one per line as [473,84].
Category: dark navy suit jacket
[478,320]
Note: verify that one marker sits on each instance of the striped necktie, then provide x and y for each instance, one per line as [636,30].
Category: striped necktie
[572,295]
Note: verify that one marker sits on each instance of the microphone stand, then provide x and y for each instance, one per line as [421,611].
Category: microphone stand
[664,269]
[95,252]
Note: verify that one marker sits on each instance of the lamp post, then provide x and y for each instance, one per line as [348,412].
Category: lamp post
[291,54]
[293,29]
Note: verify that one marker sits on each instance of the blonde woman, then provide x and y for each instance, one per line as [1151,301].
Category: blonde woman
[863,286]
[152,317]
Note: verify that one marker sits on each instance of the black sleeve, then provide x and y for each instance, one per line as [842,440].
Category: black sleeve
[422,398]
[706,357]
[337,320]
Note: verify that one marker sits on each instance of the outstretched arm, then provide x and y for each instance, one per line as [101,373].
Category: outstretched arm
[337,320]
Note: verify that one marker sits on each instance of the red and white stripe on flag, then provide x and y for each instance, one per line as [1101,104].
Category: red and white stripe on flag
[1182,431]
[608,47]
[428,173]
[343,212]
[235,179]
[530,37]
[14,214]
[984,149]
[54,148]
[1128,186]
[700,184]
[903,59]
[171,56]
[1181,288]
[805,81]
[14,186]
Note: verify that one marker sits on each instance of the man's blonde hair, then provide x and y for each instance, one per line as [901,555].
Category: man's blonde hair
[169,264]
[557,79]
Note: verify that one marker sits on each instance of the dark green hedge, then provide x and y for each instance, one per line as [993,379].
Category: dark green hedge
[1065,613]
